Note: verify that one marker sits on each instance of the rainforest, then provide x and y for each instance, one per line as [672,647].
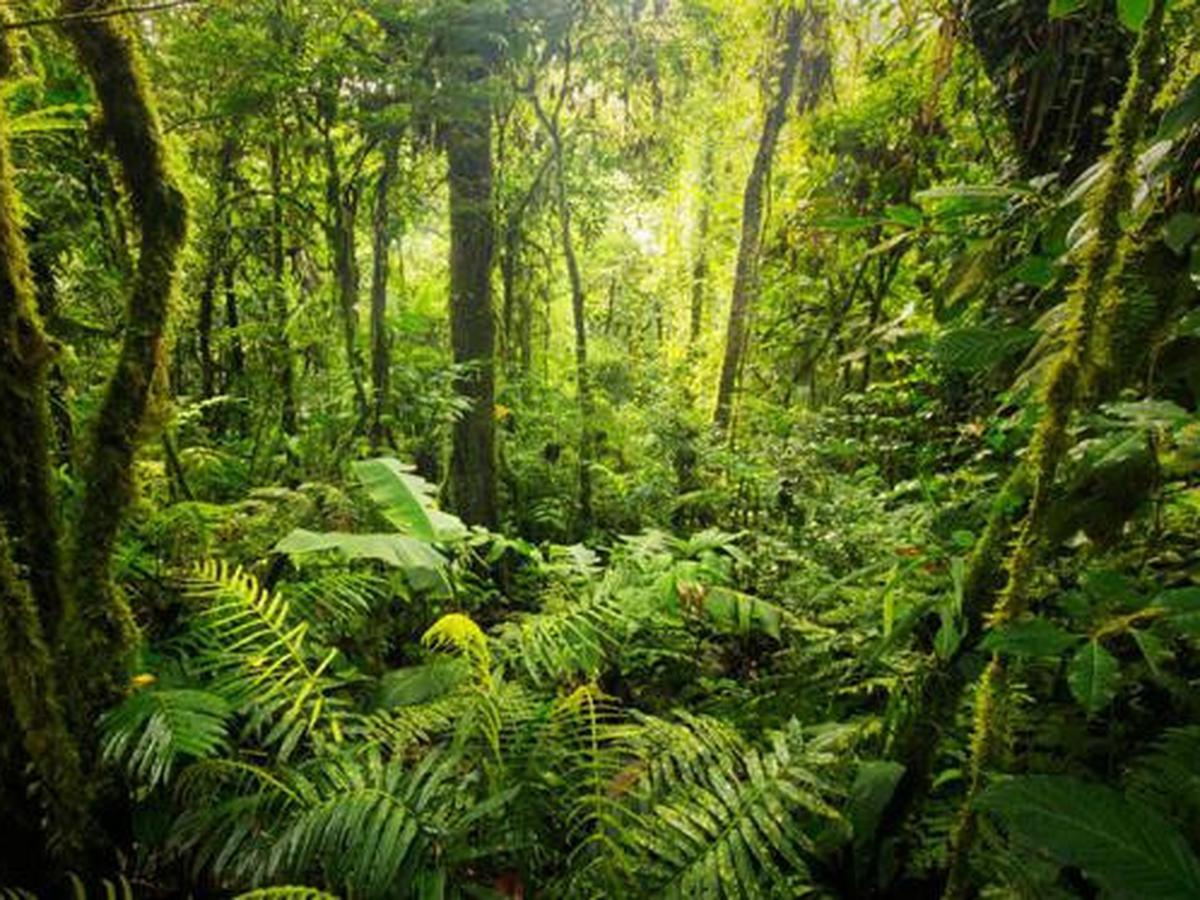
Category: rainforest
[578,449]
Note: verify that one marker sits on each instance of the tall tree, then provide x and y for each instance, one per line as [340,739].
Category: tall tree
[381,225]
[745,283]
[468,140]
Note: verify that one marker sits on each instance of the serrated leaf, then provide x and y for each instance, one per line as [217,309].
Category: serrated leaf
[1125,847]
[1092,676]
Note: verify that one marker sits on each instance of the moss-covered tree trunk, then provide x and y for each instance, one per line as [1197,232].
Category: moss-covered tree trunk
[700,261]
[381,225]
[745,281]
[98,630]
[33,594]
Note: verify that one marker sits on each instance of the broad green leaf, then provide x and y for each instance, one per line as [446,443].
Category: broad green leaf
[1062,8]
[406,500]
[1179,232]
[870,794]
[953,201]
[742,613]
[1153,650]
[1183,113]
[1092,676]
[1125,847]
[1133,13]
[1035,271]
[905,215]
[1150,414]
[1033,638]
[1183,608]
[422,565]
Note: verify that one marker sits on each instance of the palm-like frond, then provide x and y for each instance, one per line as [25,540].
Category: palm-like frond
[565,643]
[261,657]
[286,893]
[750,823]
[154,729]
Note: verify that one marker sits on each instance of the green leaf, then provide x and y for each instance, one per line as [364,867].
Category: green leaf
[1133,13]
[1035,271]
[1032,638]
[1183,113]
[870,794]
[956,200]
[1125,847]
[1092,676]
[1061,8]
[406,500]
[421,563]
[905,215]
[1183,608]
[1153,650]
[741,613]
[1179,232]
[978,349]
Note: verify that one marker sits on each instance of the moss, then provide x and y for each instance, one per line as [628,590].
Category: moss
[1061,394]
[100,630]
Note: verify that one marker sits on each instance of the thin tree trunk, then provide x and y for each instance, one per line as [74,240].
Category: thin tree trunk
[551,123]
[472,329]
[283,360]
[99,631]
[703,224]
[380,340]
[745,283]
[341,209]
[218,251]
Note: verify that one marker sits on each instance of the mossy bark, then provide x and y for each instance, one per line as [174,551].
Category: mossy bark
[1060,397]
[30,572]
[98,631]
[381,361]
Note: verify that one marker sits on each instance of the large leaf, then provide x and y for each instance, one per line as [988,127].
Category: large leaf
[1133,13]
[422,565]
[1034,638]
[1125,847]
[407,500]
[1092,676]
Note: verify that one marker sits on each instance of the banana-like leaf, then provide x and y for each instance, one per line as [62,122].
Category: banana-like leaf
[407,500]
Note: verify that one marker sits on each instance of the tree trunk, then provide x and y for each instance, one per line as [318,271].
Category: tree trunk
[341,209]
[28,510]
[745,282]
[380,340]
[218,250]
[703,225]
[99,631]
[283,360]
[472,329]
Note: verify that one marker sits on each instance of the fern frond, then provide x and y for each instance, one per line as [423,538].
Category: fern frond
[337,600]
[457,632]
[262,658]
[751,822]
[286,893]
[566,643]
[152,730]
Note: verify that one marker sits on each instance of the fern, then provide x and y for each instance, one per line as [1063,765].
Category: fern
[750,823]
[563,643]
[152,730]
[286,893]
[261,657]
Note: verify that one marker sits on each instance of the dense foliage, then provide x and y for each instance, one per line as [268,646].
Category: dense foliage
[600,448]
